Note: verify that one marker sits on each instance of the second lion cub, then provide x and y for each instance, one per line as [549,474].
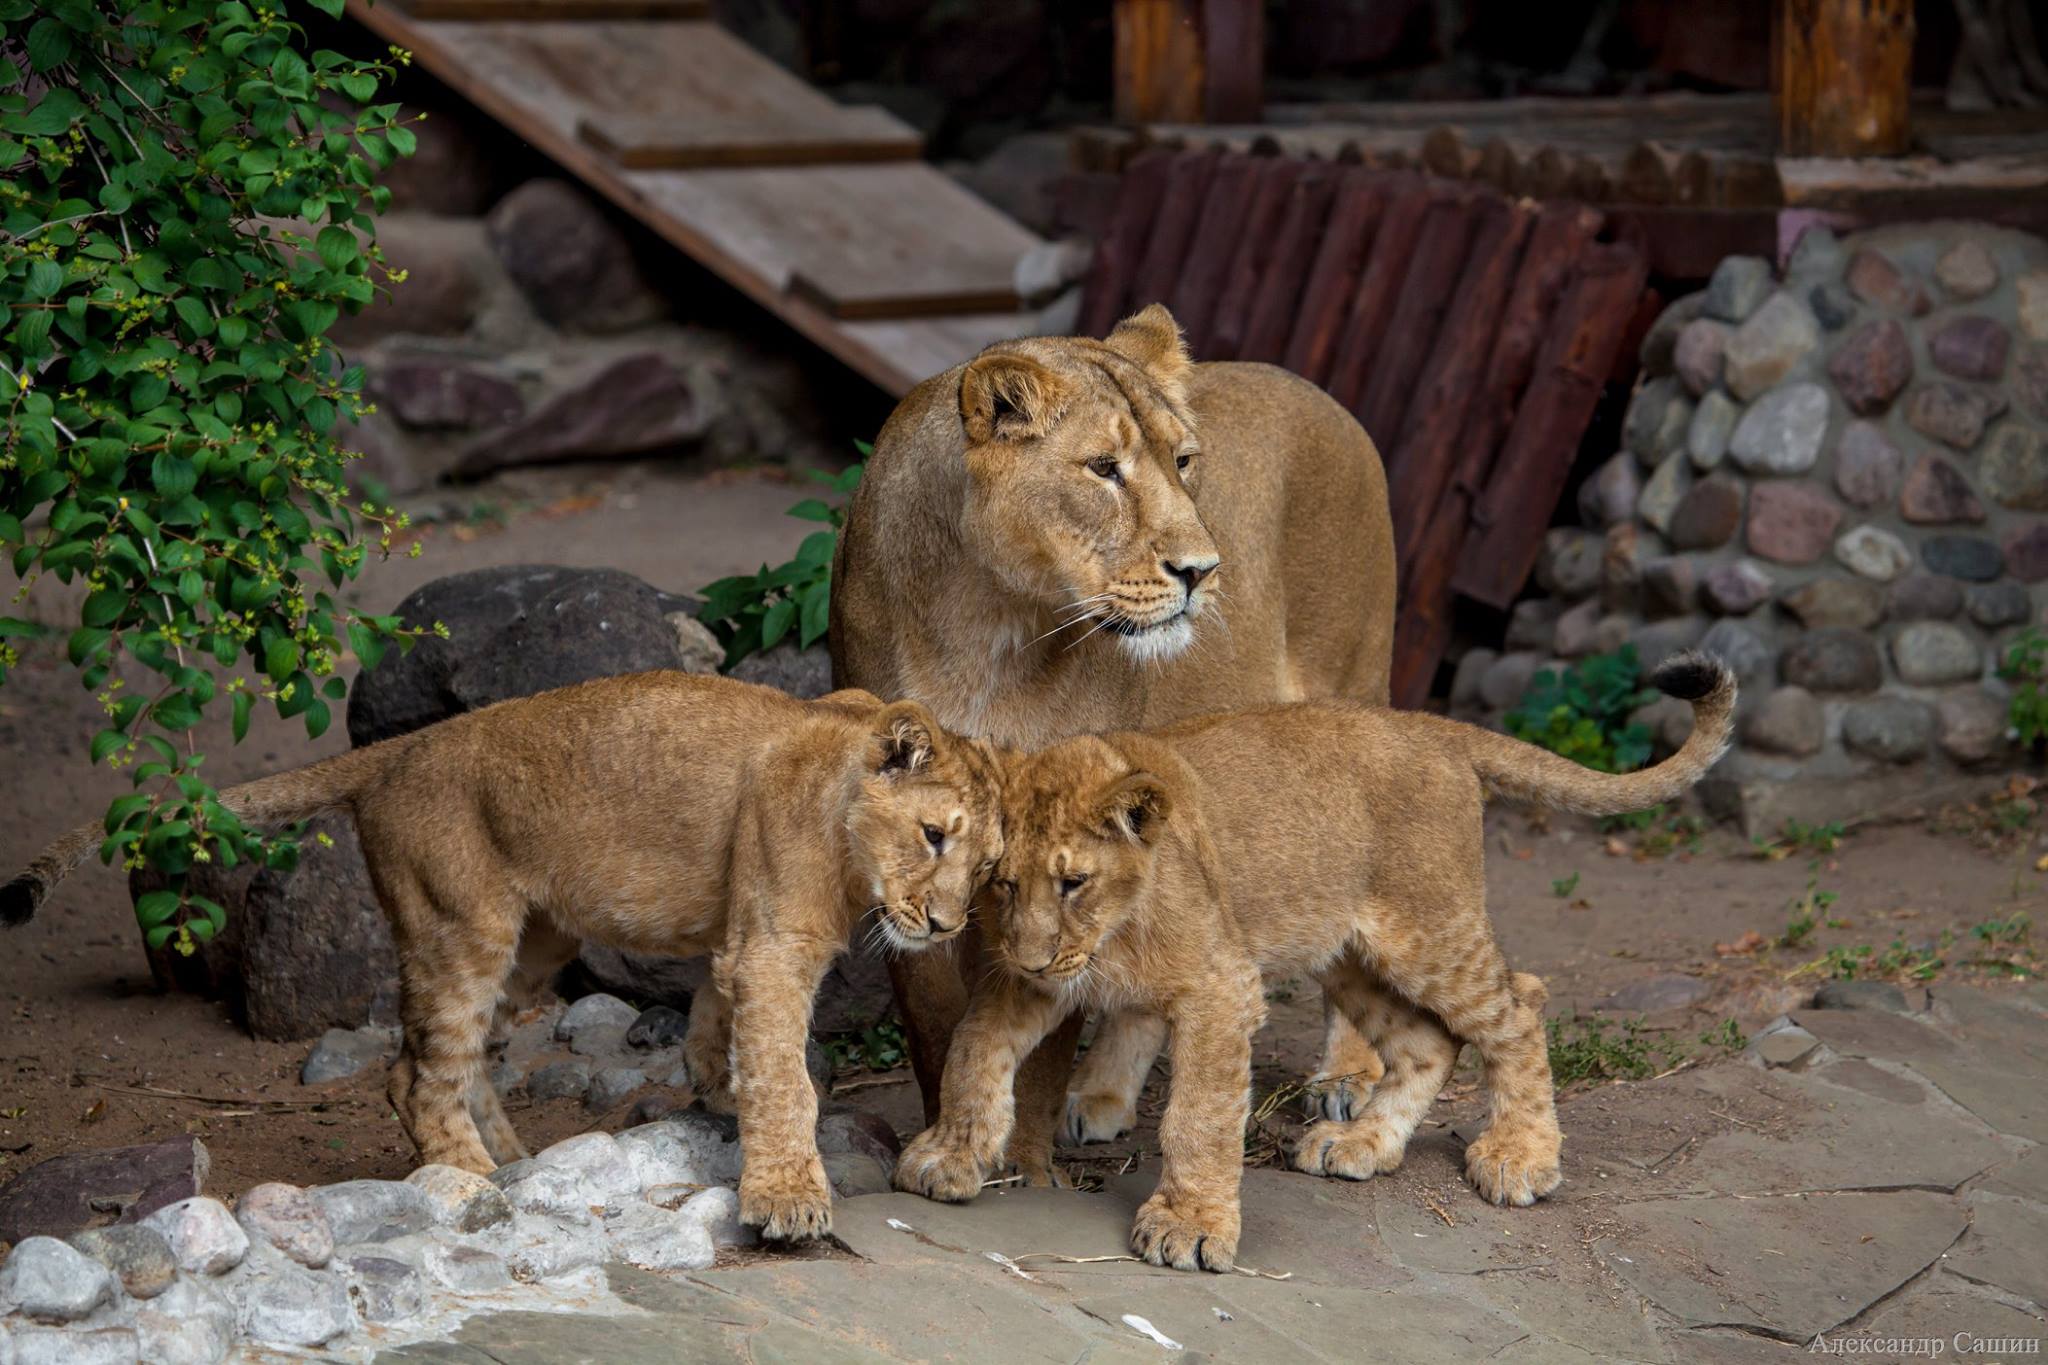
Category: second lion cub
[1161,871]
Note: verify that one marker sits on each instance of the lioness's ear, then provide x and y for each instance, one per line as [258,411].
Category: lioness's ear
[1009,398]
[1151,340]
[905,738]
[1136,807]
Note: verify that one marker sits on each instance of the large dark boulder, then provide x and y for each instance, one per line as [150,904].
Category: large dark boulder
[513,632]
[80,1190]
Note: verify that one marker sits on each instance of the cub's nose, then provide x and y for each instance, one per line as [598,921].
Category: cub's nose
[1191,571]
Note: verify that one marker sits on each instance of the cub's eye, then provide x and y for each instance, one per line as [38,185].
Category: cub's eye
[1069,885]
[934,836]
[1006,889]
[1106,467]
[1183,460]
[985,868]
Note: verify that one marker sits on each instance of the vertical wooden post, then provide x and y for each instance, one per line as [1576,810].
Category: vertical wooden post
[1842,74]
[1189,61]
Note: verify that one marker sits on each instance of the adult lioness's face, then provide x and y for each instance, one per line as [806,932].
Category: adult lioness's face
[925,829]
[1079,832]
[1082,463]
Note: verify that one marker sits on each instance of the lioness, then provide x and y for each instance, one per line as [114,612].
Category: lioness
[1066,535]
[1165,869]
[661,813]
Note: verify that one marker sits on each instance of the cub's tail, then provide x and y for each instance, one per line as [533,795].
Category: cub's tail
[296,795]
[1523,772]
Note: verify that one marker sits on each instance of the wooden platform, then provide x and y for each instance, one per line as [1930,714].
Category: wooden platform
[818,211]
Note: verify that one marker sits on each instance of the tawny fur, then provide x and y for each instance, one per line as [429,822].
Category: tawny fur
[659,813]
[1163,870]
[983,564]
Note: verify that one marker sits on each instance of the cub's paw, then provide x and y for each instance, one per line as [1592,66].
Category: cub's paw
[1338,1099]
[1167,1236]
[1516,1167]
[935,1170]
[788,1201]
[1351,1151]
[1099,1116]
[710,1081]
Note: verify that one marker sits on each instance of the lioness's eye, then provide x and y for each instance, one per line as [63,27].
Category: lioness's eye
[1069,885]
[934,836]
[1106,467]
[1183,460]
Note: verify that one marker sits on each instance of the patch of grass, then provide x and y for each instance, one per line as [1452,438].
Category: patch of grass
[1897,961]
[1817,840]
[1635,821]
[879,1047]
[1726,1036]
[2005,949]
[1807,911]
[2026,665]
[1588,1048]
[1562,887]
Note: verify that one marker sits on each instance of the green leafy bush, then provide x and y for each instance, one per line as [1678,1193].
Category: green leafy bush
[1583,713]
[2026,664]
[185,209]
[755,612]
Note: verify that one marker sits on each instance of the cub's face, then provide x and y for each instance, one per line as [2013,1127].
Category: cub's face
[1081,829]
[1082,464]
[925,829]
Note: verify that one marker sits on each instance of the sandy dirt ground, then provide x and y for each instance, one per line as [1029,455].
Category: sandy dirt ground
[94,1056]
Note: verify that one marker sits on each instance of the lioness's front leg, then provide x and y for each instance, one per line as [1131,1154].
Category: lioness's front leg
[1191,1221]
[774,980]
[950,1159]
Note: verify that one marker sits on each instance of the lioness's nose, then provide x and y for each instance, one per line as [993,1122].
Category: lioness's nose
[1191,571]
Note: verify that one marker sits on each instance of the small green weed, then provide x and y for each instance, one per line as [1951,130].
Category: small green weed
[752,613]
[1796,837]
[1631,821]
[1806,913]
[1591,1048]
[1562,887]
[2026,665]
[1583,713]
[879,1047]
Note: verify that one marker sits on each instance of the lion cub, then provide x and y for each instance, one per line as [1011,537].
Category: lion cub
[660,813]
[1163,870]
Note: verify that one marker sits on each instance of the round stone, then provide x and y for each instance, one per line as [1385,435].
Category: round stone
[1971,558]
[462,1200]
[1659,640]
[613,1086]
[597,1158]
[1696,355]
[1791,522]
[1834,660]
[1967,271]
[1874,278]
[138,1256]
[44,1278]
[2032,288]
[1782,431]
[1868,467]
[1971,726]
[1992,605]
[2015,468]
[1890,728]
[1970,348]
[1937,494]
[1933,653]
[1663,492]
[1531,623]
[1670,586]
[1765,349]
[204,1236]
[1844,602]
[2026,553]
[289,1219]
[1735,589]
[374,1210]
[1570,564]
[1818,252]
[1871,365]
[1713,424]
[385,1289]
[1508,678]
[1926,597]
[1609,496]
[595,1012]
[1707,516]
[1472,666]
[1738,286]
[1742,649]
[1649,418]
[2029,381]
[566,1080]
[1952,414]
[1832,307]
[1873,553]
[1787,721]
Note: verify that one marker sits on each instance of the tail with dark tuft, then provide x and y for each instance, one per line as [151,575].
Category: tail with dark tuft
[19,899]
[1691,675]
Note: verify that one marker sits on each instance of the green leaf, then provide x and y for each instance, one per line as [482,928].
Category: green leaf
[281,658]
[153,908]
[160,935]
[337,247]
[107,742]
[817,609]
[44,279]
[367,644]
[402,140]
[173,475]
[810,509]
[48,45]
[23,629]
[104,608]
[776,623]
[243,701]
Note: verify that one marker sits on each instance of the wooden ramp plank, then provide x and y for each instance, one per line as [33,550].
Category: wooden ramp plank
[900,237]
[541,11]
[856,133]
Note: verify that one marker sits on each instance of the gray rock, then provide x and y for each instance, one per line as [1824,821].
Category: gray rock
[81,1189]
[1508,679]
[613,1086]
[1663,492]
[1860,995]
[290,1219]
[560,1081]
[73,1346]
[1531,623]
[1992,605]
[1048,267]
[555,1191]
[1743,650]
[1670,586]
[1661,341]
[599,1044]
[1659,640]
[642,978]
[1570,563]
[595,1012]
[466,1270]
[1784,1047]
[1971,726]
[341,1053]
[1971,558]
[1967,271]
[1472,666]
[803,673]
[192,1318]
[1951,413]
[1834,660]
[657,1027]
[1696,355]
[1832,307]
[1668,720]
[1665,991]
[573,264]
[1782,431]
[1889,728]
[598,1158]
[1837,602]
[385,1290]
[281,1303]
[462,1200]
[1931,653]
[46,1279]
[1970,347]
[1875,554]
[433,392]
[512,632]
[2015,468]
[139,1257]
[446,281]
[659,1239]
[204,1237]
[858,1130]
[1787,721]
[1868,467]
[1739,285]
[374,1210]
[1609,496]
[1764,350]
[1936,493]
[717,1211]
[689,1147]
[1713,425]
[1925,597]
[853,1174]
[544,1249]
[1656,420]
[1735,588]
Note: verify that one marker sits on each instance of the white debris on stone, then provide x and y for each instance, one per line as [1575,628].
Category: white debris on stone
[51,1280]
[598,1159]
[1145,1329]
[204,1236]
[280,1302]
[374,1210]
[717,1211]
[72,1346]
[530,1187]
[657,1239]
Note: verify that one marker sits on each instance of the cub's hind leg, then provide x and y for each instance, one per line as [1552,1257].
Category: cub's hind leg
[543,951]
[1418,1054]
[1102,1104]
[1351,1065]
[707,1045]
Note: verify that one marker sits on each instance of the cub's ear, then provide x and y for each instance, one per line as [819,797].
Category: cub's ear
[1008,397]
[1136,807]
[1151,340]
[906,738]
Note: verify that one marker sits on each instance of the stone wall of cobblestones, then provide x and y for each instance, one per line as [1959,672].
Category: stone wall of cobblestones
[1838,480]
